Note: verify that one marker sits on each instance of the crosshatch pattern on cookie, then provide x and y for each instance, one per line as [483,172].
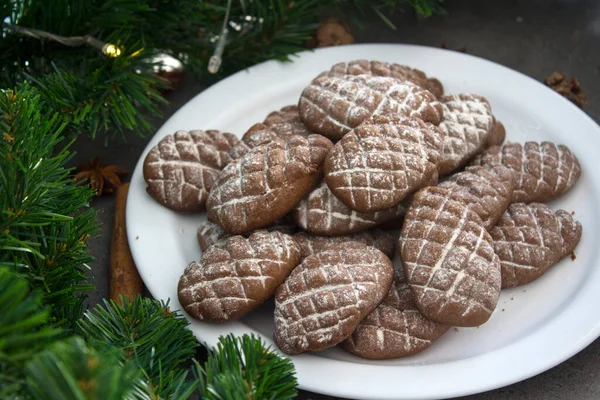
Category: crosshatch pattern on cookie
[283,123]
[543,171]
[266,183]
[488,191]
[335,105]
[313,244]
[529,240]
[396,328]
[182,167]
[467,125]
[325,297]
[257,135]
[287,122]
[382,161]
[232,280]
[322,213]
[380,68]
[449,260]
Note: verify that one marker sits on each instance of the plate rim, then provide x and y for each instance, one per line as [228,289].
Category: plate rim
[313,366]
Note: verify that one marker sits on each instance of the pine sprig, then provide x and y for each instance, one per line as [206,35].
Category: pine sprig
[149,335]
[72,370]
[23,330]
[242,369]
[45,219]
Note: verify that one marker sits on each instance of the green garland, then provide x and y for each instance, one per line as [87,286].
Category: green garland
[116,95]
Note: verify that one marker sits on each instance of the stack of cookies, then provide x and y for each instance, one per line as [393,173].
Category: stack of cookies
[307,207]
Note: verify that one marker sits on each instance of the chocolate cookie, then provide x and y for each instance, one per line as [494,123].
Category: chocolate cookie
[488,191]
[497,135]
[382,161]
[327,295]
[231,281]
[181,168]
[210,234]
[449,261]
[321,213]
[530,238]
[266,183]
[334,105]
[396,328]
[283,123]
[258,135]
[467,125]
[313,244]
[380,68]
[287,122]
[543,171]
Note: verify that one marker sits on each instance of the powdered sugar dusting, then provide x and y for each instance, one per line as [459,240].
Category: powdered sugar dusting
[487,191]
[231,281]
[530,238]
[396,328]
[543,171]
[313,244]
[443,241]
[334,105]
[181,168]
[467,125]
[319,305]
[322,213]
[251,189]
[382,161]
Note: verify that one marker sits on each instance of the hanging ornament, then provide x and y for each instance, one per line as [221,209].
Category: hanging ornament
[169,68]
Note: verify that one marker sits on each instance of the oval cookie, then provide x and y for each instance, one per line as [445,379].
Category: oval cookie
[488,191]
[467,125]
[449,260]
[531,238]
[334,105]
[266,183]
[382,161]
[396,328]
[210,234]
[543,171]
[327,295]
[181,169]
[283,123]
[321,213]
[313,244]
[231,281]
[380,68]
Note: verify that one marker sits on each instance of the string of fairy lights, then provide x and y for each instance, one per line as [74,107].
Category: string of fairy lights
[112,50]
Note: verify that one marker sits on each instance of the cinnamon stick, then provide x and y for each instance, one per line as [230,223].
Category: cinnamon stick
[124,276]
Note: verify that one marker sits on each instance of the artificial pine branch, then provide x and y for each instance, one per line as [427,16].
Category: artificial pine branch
[23,331]
[45,219]
[149,335]
[243,369]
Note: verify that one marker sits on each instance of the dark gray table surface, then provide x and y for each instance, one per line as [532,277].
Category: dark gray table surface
[535,37]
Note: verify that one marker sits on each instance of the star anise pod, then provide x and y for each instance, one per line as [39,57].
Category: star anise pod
[103,179]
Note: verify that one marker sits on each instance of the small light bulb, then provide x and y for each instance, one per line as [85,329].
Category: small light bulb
[111,50]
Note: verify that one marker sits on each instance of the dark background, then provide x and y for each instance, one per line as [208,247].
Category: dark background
[534,37]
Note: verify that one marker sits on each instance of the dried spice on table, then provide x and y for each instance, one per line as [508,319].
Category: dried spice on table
[103,179]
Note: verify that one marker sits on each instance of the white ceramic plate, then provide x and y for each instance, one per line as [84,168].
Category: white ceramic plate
[534,328]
